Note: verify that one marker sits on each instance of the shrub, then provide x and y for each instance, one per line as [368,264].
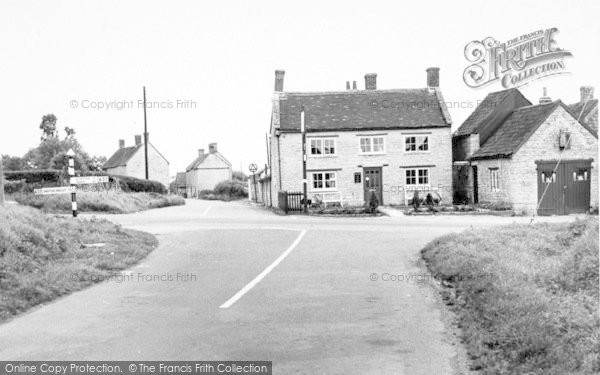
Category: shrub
[373,202]
[239,175]
[11,187]
[132,184]
[234,189]
[35,175]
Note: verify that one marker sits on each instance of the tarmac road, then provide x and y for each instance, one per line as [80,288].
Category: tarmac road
[231,281]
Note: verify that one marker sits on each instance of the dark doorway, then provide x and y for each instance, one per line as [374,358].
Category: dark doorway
[372,183]
[475,185]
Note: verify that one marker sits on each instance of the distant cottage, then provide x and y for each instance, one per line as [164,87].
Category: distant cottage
[206,171]
[130,161]
[536,158]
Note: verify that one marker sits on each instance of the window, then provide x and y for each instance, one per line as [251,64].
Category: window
[564,140]
[357,178]
[416,143]
[372,145]
[417,177]
[548,176]
[322,146]
[580,175]
[324,180]
[494,181]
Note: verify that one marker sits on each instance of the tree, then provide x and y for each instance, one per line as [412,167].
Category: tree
[13,163]
[48,127]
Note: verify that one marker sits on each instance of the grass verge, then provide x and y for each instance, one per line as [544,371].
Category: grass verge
[526,296]
[43,257]
[108,202]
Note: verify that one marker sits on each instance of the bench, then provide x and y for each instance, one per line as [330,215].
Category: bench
[327,197]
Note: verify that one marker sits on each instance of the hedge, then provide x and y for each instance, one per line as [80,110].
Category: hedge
[26,180]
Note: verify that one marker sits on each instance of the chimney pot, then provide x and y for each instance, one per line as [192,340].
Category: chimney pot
[138,140]
[121,143]
[212,148]
[347,85]
[354,85]
[433,77]
[587,93]
[200,152]
[545,99]
[371,81]
[279,80]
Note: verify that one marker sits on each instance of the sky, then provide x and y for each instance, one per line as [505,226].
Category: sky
[208,67]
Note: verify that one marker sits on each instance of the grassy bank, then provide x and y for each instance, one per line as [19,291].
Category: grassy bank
[526,296]
[108,202]
[44,257]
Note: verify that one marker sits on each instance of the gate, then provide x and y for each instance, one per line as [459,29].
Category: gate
[567,187]
[290,201]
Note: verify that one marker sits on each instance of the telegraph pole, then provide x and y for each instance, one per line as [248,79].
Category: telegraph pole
[304,179]
[145,135]
[1,183]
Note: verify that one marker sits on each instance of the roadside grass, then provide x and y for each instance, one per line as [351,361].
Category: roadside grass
[42,257]
[526,296]
[107,202]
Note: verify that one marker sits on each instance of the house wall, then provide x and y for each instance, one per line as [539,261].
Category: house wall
[205,177]
[119,171]
[464,146]
[518,175]
[348,161]
[484,185]
[158,167]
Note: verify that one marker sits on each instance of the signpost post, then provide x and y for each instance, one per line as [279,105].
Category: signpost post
[253,168]
[71,154]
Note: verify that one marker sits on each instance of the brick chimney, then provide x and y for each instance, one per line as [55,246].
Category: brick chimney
[279,80]
[212,148]
[121,143]
[587,93]
[371,81]
[201,152]
[545,99]
[138,140]
[433,77]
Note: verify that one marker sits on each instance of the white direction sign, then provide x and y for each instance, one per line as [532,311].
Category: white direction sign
[55,190]
[88,180]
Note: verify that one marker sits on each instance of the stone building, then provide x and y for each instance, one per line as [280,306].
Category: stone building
[130,161]
[535,158]
[359,142]
[206,171]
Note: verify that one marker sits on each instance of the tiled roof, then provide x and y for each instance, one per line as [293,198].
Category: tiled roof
[196,162]
[582,109]
[121,157]
[180,179]
[515,130]
[364,110]
[477,120]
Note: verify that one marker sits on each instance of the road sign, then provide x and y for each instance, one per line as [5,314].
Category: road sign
[55,190]
[88,180]
[253,168]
